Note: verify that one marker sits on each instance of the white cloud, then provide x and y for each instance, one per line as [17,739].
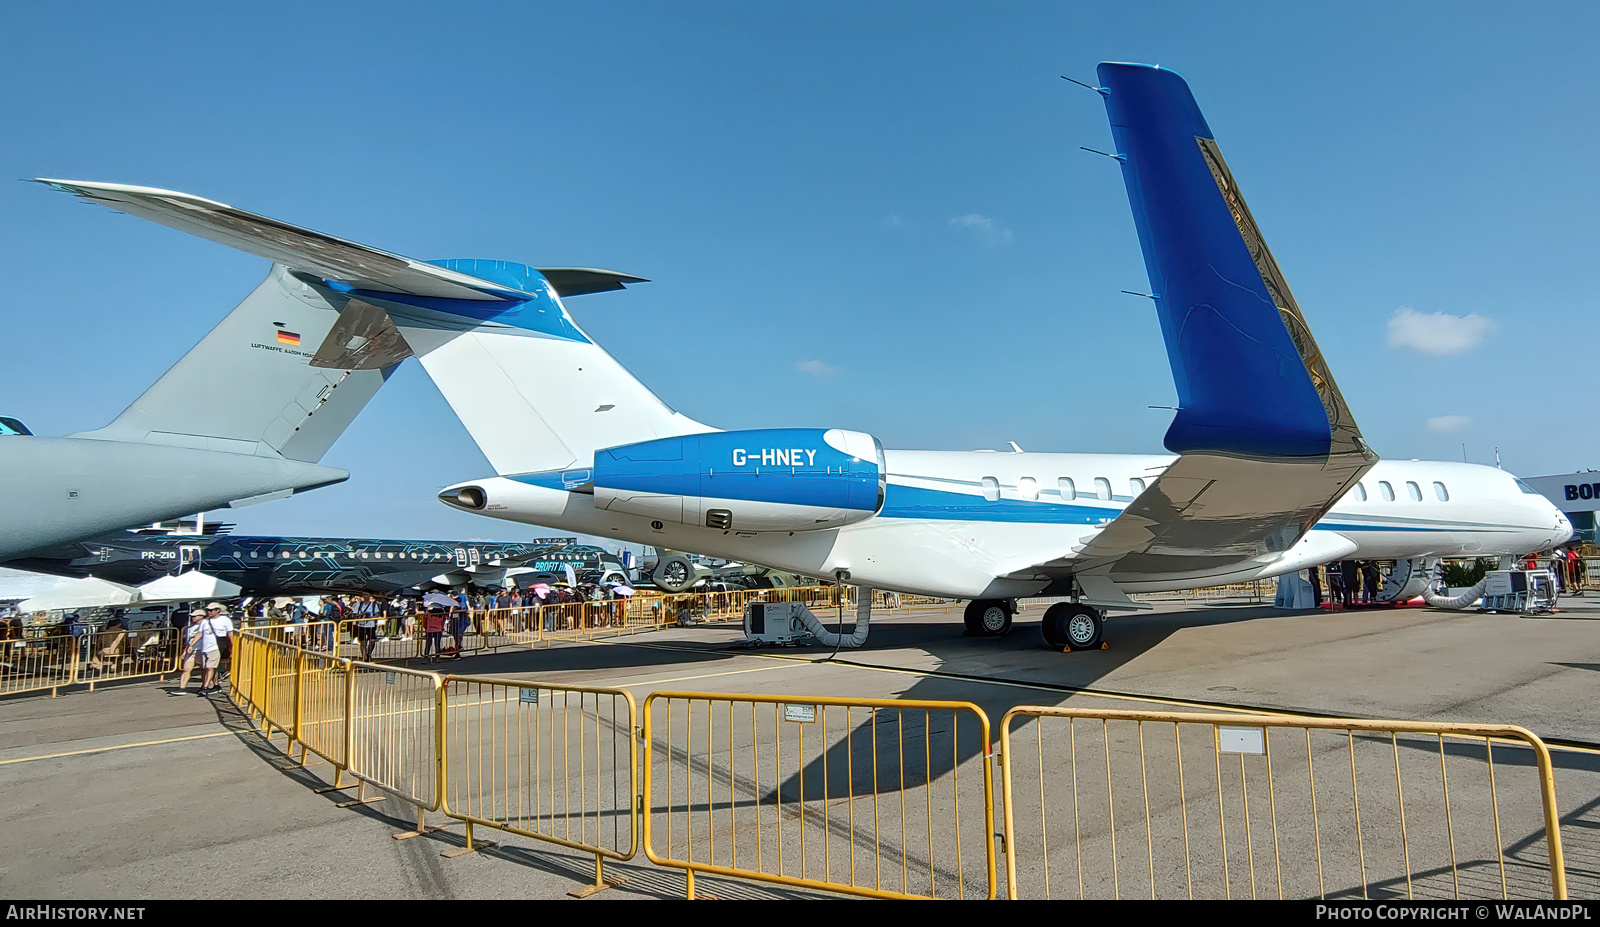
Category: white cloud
[1445,424]
[816,368]
[988,231]
[1436,333]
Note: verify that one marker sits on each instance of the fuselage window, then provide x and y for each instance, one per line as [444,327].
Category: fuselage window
[286,555]
[1361,493]
[1414,491]
[1028,488]
[1441,492]
[991,489]
[1137,485]
[1102,488]
[1385,490]
[254,555]
[1069,490]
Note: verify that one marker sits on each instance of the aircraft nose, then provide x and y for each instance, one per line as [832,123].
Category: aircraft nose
[1564,530]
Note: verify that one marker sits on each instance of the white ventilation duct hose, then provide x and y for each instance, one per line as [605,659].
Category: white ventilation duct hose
[828,638]
[1462,601]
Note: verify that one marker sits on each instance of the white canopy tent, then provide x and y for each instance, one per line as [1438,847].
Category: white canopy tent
[186,587]
[81,593]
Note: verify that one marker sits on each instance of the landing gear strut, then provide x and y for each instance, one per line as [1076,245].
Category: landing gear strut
[1069,626]
[988,617]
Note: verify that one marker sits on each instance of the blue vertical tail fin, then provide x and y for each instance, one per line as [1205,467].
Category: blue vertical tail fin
[1250,379]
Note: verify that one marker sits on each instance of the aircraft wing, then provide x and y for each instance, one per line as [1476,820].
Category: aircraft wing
[358,265]
[1266,442]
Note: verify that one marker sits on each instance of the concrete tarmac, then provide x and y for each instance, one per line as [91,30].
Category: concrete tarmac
[130,793]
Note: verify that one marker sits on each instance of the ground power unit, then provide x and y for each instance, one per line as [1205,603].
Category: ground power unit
[1524,591]
[775,623]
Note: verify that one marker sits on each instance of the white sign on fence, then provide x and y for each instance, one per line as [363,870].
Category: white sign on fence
[802,714]
[1241,740]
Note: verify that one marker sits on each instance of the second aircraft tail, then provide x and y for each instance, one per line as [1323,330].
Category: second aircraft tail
[288,370]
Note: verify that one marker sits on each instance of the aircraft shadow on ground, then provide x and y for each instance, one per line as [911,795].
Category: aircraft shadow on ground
[1020,656]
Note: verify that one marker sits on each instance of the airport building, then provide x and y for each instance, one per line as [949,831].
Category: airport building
[1576,494]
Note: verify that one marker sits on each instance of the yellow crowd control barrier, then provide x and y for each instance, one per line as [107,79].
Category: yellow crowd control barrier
[887,798]
[249,658]
[280,686]
[393,734]
[1169,804]
[371,645]
[321,636]
[551,762]
[35,663]
[321,708]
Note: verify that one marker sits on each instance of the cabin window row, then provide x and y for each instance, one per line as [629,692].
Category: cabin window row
[361,555]
[1066,486]
[1413,491]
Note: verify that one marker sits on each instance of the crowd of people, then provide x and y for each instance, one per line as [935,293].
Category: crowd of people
[1349,582]
[1570,570]
[376,619]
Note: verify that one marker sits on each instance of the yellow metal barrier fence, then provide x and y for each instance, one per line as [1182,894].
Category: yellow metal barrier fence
[35,663]
[1167,804]
[243,678]
[279,687]
[321,636]
[393,734]
[377,646]
[322,708]
[861,796]
[551,762]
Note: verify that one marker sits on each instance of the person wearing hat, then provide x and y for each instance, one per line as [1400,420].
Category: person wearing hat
[206,629]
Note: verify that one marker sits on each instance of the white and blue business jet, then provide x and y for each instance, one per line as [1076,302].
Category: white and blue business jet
[1270,473]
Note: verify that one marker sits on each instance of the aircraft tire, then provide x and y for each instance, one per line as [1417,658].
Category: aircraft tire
[1072,627]
[674,574]
[987,618]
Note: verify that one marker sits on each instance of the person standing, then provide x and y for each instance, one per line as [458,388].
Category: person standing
[1349,573]
[200,650]
[1336,590]
[221,626]
[1369,582]
[433,627]
[459,619]
[365,614]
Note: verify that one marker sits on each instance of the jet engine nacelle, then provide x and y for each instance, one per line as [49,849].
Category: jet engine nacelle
[778,479]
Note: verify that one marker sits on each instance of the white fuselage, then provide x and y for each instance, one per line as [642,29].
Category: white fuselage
[966,524]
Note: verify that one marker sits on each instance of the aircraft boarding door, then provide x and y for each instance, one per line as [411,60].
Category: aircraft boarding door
[461,556]
[188,556]
[472,555]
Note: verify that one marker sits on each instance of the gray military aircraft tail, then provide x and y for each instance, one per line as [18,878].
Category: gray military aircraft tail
[186,445]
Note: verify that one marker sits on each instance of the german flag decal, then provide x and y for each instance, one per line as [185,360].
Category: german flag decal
[288,338]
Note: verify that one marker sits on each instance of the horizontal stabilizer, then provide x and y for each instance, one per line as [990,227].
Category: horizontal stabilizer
[357,265]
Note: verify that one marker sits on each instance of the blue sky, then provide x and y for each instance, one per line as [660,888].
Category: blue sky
[860,215]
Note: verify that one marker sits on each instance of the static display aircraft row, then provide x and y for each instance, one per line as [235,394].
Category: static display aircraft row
[1268,472]
[312,566]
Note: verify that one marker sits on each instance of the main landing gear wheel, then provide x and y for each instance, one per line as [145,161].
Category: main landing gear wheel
[1072,627]
[987,617]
